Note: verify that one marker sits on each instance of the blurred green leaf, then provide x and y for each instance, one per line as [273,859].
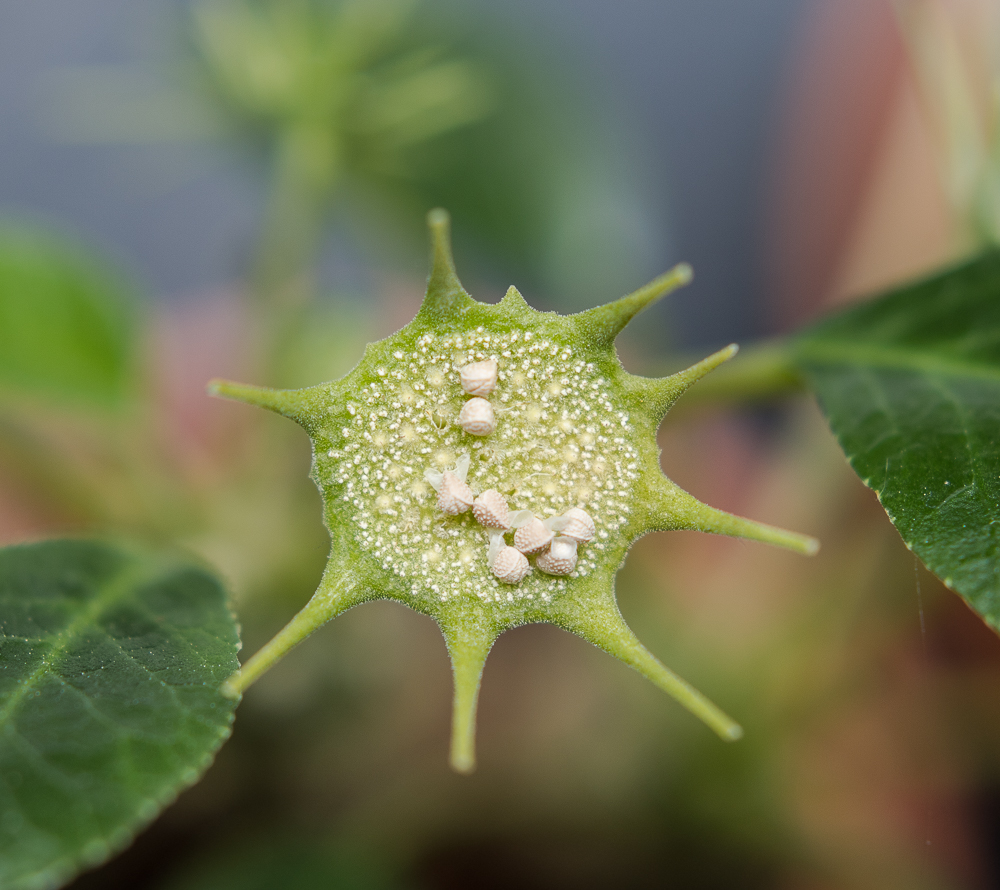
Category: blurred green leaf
[67,321]
[110,667]
[910,384]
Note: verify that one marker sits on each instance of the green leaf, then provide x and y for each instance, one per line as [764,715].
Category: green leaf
[110,666]
[910,384]
[67,321]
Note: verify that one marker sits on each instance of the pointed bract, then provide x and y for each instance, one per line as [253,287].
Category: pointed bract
[676,510]
[293,403]
[603,323]
[337,592]
[468,648]
[604,626]
[445,295]
[661,394]
[513,302]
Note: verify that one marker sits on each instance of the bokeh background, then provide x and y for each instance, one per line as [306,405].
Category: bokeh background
[239,189]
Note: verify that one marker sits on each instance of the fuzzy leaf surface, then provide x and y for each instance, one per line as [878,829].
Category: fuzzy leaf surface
[910,384]
[110,666]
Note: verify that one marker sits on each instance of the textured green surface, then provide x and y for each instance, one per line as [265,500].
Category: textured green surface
[110,666]
[66,321]
[574,429]
[910,384]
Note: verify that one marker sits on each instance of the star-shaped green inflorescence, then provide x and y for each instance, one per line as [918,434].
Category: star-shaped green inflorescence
[573,429]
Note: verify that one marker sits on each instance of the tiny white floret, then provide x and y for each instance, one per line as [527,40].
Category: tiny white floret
[560,558]
[532,536]
[490,508]
[479,378]
[477,417]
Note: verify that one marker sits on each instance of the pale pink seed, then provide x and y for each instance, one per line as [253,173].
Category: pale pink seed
[579,526]
[479,378]
[491,510]
[510,565]
[454,496]
[560,558]
[477,417]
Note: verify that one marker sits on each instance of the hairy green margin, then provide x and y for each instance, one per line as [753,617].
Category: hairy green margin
[574,429]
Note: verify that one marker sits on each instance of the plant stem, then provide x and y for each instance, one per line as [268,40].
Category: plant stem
[304,178]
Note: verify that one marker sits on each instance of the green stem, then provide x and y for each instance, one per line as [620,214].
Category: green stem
[304,178]
[283,282]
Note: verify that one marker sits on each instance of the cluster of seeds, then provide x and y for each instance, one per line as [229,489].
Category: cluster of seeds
[532,536]
[478,379]
[561,445]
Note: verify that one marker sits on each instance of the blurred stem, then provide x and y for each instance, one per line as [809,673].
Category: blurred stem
[284,277]
[761,371]
[306,173]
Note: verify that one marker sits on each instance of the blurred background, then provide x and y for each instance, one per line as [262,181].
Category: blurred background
[238,188]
